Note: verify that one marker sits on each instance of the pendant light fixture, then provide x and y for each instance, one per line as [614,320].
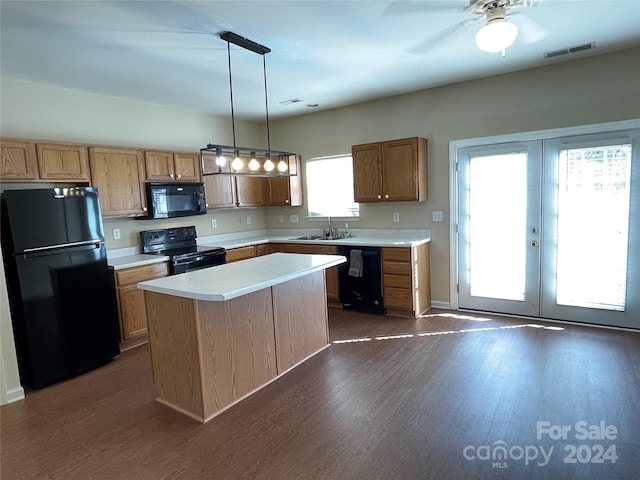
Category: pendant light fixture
[250,161]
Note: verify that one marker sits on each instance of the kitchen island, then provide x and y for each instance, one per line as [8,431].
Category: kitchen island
[219,334]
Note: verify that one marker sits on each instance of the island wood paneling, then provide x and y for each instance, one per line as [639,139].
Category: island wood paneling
[207,356]
[296,310]
[175,352]
[237,348]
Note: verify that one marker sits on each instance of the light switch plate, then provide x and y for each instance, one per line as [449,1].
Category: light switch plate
[248,220]
[281,218]
[436,215]
[214,223]
[294,218]
[396,217]
[116,234]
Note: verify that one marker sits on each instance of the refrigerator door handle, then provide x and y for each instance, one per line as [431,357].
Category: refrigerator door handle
[97,244]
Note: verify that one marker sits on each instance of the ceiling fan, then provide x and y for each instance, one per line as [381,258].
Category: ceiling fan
[495,36]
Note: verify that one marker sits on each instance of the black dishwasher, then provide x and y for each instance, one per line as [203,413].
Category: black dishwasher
[361,279]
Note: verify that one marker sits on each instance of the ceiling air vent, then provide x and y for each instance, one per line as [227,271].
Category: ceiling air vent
[565,51]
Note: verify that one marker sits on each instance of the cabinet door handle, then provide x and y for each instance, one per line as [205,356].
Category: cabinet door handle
[179,176]
[379,197]
[286,201]
[144,209]
[171,175]
[386,195]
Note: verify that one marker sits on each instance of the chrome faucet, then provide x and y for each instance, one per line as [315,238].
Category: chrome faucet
[330,232]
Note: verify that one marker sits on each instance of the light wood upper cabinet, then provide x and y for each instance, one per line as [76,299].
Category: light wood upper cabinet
[18,160]
[287,191]
[367,172]
[228,191]
[62,162]
[250,191]
[392,171]
[187,166]
[119,175]
[170,166]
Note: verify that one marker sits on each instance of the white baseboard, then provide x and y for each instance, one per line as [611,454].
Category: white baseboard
[444,305]
[15,394]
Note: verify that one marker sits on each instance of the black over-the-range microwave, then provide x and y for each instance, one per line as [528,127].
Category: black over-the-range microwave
[175,199]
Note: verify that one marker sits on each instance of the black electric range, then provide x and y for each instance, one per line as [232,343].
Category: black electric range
[179,244]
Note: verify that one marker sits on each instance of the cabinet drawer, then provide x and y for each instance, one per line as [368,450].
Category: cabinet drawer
[396,254]
[128,276]
[241,253]
[397,268]
[400,281]
[262,249]
[398,298]
[318,249]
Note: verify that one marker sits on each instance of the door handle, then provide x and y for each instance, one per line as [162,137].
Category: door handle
[534,243]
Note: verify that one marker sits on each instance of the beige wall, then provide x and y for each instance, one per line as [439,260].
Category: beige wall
[594,90]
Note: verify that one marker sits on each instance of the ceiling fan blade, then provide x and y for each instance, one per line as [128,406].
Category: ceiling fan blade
[529,31]
[433,40]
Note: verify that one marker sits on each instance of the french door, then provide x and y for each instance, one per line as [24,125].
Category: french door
[551,228]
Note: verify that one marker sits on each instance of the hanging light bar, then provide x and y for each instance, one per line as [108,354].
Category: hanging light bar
[234,160]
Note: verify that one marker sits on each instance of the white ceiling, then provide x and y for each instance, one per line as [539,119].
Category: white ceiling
[329,53]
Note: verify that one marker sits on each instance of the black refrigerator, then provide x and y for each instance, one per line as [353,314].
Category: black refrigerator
[61,292]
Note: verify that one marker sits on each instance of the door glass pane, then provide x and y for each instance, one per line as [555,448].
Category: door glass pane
[593,226]
[497,205]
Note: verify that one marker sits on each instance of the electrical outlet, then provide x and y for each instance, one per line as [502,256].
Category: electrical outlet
[248,220]
[116,234]
[436,216]
[396,217]
[294,218]
[281,218]
[214,223]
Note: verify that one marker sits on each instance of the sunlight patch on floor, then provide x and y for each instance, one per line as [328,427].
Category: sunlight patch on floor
[448,332]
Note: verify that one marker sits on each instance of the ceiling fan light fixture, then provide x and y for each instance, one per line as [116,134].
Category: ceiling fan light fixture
[496,35]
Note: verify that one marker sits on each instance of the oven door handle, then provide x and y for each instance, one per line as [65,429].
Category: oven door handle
[193,260]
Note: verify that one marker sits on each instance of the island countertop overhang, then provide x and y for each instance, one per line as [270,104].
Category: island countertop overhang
[231,280]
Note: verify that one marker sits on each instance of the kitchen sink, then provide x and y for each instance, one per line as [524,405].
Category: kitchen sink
[308,237]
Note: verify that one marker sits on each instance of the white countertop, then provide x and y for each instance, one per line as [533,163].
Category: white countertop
[363,238]
[130,257]
[232,280]
[128,261]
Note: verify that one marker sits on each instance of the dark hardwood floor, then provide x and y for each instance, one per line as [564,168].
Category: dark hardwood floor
[441,397]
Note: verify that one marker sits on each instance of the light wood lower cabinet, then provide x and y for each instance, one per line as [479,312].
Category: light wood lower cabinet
[406,280]
[333,286]
[240,253]
[131,306]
